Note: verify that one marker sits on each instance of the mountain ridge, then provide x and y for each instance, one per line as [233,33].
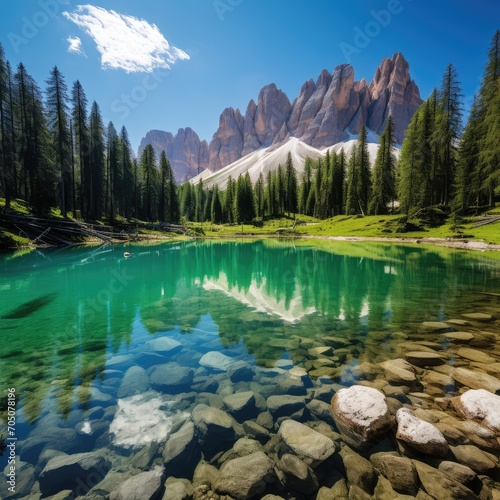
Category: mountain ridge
[326,112]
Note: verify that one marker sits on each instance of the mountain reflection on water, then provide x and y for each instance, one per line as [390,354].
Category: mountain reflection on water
[268,295]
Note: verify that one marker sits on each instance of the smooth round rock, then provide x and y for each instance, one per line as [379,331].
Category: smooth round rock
[361,414]
[479,405]
[420,435]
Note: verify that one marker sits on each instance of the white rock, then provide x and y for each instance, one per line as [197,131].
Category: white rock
[479,405]
[361,414]
[420,435]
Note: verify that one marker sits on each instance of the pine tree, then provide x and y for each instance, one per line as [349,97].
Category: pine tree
[351,204]
[383,189]
[114,175]
[244,207]
[228,205]
[305,186]
[199,202]
[163,208]
[490,148]
[81,134]
[11,136]
[466,181]
[149,175]
[57,111]
[187,201]
[94,184]
[359,177]
[5,174]
[127,170]
[429,187]
[290,186]
[323,195]
[408,175]
[207,207]
[44,179]
[318,184]
[216,208]
[173,215]
[448,129]
[259,196]
[486,169]
[364,171]
[338,181]
[280,187]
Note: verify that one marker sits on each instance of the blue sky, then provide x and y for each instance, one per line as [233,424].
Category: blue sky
[220,53]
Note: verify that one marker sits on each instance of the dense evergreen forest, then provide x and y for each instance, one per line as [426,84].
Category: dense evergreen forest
[54,153]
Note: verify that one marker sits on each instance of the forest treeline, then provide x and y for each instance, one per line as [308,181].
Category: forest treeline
[441,163]
[55,153]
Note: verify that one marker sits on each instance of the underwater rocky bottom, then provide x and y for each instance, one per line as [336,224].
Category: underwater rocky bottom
[424,424]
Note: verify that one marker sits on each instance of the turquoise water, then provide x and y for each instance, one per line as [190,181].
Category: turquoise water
[72,321]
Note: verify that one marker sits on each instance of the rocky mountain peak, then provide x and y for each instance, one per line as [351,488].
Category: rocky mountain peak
[326,112]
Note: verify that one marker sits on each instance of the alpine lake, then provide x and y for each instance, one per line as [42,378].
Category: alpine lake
[183,366]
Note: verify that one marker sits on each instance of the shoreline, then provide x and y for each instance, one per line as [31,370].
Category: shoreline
[474,245]
[466,244]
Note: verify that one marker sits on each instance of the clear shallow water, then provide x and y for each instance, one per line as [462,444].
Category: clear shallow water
[72,321]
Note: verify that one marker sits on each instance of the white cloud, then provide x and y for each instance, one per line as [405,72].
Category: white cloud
[75,45]
[125,42]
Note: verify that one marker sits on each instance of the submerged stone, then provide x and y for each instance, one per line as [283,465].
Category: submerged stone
[438,485]
[400,471]
[171,377]
[459,337]
[435,326]
[475,355]
[309,445]
[245,477]
[479,405]
[478,316]
[420,435]
[457,472]
[361,414]
[476,380]
[135,381]
[143,486]
[216,361]
[473,457]
[71,471]
[359,470]
[241,405]
[279,406]
[299,476]
[164,345]
[420,358]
